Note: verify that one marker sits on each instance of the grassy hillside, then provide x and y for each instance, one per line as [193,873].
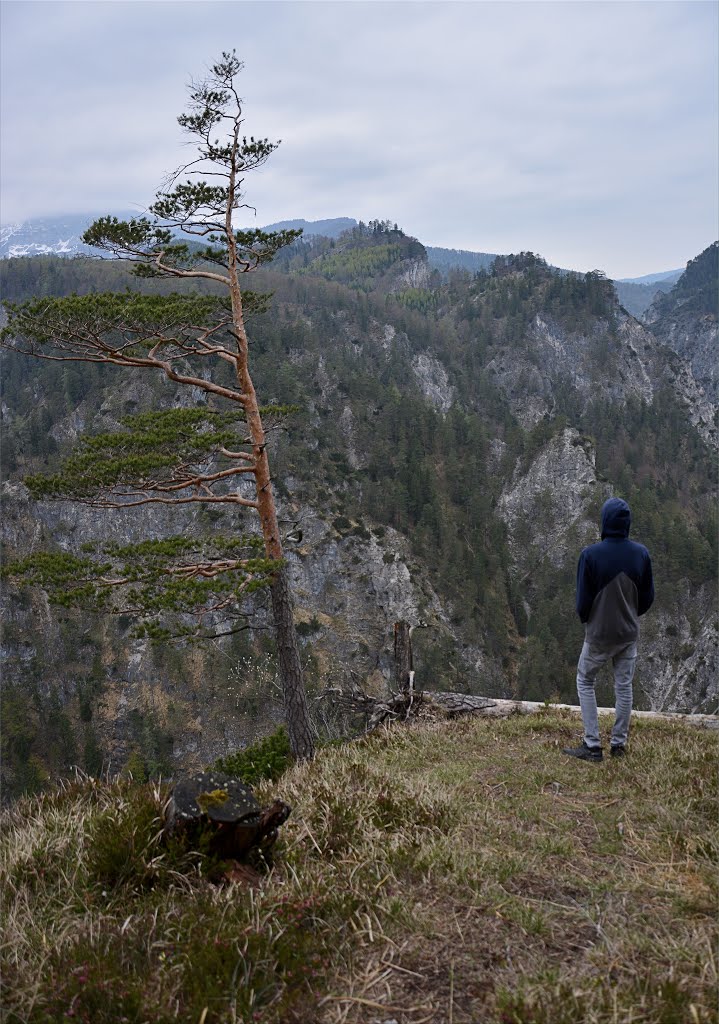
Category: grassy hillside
[448,872]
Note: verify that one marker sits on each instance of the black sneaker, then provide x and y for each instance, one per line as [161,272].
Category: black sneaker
[585,753]
[617,751]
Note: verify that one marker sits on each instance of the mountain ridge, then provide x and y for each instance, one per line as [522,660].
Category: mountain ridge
[60,235]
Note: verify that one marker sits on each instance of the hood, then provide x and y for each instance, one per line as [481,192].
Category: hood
[616,518]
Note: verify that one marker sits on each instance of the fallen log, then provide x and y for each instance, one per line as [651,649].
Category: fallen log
[460,703]
[423,703]
[504,708]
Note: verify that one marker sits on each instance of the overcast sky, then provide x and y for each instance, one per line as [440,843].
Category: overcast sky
[584,131]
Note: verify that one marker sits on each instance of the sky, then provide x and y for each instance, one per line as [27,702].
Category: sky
[585,131]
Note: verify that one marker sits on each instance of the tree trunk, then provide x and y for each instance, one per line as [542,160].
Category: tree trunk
[290,666]
[293,689]
[402,655]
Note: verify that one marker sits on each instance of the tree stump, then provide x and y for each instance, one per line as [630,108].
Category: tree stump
[225,808]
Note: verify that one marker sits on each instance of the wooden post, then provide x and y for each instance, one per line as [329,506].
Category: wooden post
[403,669]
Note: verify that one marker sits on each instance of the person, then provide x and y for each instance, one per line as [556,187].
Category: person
[615,586]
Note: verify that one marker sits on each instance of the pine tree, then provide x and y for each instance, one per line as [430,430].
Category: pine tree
[188,235]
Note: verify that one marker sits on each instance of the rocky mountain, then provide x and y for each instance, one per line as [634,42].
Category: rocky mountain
[685,319]
[45,236]
[455,443]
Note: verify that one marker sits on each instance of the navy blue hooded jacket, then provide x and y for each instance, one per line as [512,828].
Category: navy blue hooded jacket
[614,581]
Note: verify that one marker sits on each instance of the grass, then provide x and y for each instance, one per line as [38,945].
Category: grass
[448,872]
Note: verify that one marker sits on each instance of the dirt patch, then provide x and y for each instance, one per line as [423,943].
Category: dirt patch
[453,972]
[543,887]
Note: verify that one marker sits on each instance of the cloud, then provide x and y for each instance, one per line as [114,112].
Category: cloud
[586,131]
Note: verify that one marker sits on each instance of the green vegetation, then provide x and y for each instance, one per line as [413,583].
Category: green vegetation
[268,758]
[154,446]
[363,255]
[696,290]
[358,266]
[453,871]
[173,587]
[37,740]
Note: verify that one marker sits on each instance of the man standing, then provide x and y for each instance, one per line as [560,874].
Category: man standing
[614,587]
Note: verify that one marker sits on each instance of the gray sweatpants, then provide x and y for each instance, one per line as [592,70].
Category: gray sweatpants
[624,660]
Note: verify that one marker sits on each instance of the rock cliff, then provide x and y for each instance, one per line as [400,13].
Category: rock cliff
[685,319]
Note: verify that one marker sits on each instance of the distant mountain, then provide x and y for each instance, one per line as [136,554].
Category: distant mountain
[60,236]
[636,294]
[331,228]
[50,236]
[669,276]
[637,298]
[445,260]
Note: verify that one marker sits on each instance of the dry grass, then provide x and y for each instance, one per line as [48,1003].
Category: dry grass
[448,872]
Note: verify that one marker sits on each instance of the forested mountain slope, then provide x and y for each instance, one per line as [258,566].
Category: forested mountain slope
[454,446]
[685,318]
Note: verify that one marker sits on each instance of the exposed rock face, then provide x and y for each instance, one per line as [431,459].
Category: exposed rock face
[612,366]
[527,390]
[607,365]
[347,427]
[679,649]
[694,338]
[701,411]
[660,365]
[415,274]
[388,336]
[433,381]
[547,510]
[355,585]
[546,507]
